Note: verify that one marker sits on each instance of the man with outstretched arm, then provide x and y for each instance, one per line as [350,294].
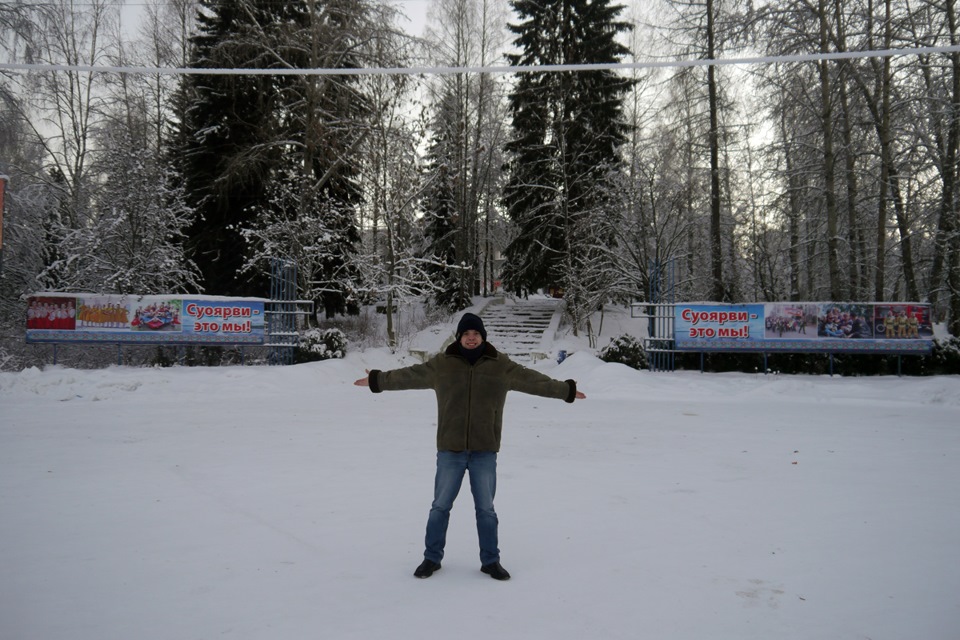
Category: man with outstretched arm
[471,380]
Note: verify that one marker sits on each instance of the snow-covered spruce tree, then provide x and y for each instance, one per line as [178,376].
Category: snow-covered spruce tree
[567,129]
[452,274]
[230,122]
[315,241]
[290,161]
[135,242]
[328,121]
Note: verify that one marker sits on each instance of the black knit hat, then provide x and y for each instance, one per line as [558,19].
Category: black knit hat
[471,321]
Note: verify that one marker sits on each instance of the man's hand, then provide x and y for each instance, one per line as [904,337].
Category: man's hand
[580,395]
[363,382]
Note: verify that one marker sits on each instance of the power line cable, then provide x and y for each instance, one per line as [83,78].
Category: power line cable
[446,70]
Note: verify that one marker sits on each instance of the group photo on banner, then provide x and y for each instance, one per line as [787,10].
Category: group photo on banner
[153,319]
[805,326]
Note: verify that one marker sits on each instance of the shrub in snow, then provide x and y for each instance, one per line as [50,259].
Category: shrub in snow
[946,355]
[626,350]
[321,344]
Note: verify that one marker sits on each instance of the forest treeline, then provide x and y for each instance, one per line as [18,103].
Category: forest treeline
[821,179]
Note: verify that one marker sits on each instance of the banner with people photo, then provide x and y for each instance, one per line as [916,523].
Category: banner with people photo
[155,319]
[897,328]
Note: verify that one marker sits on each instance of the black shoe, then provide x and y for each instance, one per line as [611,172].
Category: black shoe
[495,571]
[426,569]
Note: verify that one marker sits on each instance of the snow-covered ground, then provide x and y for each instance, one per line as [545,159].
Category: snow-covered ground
[285,503]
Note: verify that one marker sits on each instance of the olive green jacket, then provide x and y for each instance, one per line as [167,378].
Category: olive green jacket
[470,398]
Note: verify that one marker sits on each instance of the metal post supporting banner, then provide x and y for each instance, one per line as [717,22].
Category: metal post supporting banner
[282,331]
[661,354]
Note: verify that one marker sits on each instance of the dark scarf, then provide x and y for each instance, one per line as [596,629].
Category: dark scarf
[472,355]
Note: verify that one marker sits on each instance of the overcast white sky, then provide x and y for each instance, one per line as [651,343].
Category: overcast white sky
[415,10]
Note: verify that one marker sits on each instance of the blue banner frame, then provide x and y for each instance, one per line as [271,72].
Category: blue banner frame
[153,319]
[817,327]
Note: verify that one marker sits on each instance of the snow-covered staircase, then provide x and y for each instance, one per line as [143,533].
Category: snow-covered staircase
[522,329]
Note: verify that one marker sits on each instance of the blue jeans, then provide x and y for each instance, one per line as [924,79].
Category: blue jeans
[451,466]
